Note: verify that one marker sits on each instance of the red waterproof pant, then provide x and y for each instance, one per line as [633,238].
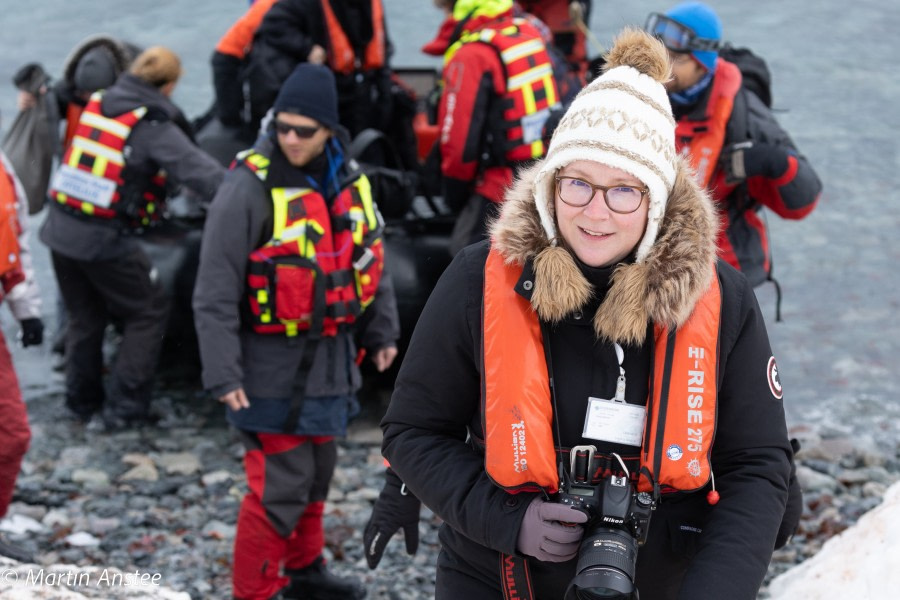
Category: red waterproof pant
[15,435]
[280,520]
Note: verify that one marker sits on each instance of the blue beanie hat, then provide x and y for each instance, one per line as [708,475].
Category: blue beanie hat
[704,22]
[310,91]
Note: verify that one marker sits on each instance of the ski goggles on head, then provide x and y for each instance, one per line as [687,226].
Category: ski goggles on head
[677,37]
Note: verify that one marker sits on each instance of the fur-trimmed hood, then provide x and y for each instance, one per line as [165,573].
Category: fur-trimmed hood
[122,53]
[663,288]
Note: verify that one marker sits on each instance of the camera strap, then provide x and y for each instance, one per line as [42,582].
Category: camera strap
[516,578]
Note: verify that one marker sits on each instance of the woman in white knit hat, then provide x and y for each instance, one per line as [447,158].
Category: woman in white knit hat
[592,366]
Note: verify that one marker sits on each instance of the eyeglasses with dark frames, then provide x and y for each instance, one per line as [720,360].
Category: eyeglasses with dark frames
[303,132]
[577,192]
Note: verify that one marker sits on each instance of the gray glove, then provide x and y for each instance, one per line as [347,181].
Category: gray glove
[544,535]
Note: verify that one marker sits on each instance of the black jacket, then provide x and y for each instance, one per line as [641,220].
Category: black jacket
[285,38]
[433,426]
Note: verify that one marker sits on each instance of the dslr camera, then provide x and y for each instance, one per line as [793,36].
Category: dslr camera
[618,521]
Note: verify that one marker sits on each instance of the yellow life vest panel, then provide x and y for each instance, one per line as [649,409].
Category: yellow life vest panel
[322,266]
[530,93]
[91,180]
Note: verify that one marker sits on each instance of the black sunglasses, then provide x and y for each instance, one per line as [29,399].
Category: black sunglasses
[303,132]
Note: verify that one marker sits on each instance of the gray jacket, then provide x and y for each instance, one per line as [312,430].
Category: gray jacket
[268,366]
[156,141]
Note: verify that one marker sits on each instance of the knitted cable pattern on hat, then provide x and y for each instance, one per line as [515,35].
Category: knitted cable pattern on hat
[622,119]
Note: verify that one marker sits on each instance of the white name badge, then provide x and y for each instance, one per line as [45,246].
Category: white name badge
[616,422]
[83,186]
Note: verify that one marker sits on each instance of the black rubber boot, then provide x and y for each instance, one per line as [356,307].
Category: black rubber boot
[316,583]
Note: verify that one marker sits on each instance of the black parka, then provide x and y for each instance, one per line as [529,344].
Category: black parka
[433,425]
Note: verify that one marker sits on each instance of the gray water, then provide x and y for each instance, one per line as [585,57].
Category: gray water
[836,85]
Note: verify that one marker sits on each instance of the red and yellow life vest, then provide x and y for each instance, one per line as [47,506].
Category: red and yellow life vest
[11,272]
[322,267]
[342,57]
[703,140]
[518,412]
[530,87]
[90,180]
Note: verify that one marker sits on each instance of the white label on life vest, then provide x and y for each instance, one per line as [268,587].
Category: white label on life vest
[84,186]
[533,126]
[616,422]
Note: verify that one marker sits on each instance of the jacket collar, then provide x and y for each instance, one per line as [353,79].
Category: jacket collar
[663,288]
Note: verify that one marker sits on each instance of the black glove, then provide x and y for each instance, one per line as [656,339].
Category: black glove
[395,508]
[32,332]
[752,159]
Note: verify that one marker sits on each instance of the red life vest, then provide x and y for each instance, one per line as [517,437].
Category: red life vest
[530,88]
[517,412]
[341,56]
[703,140]
[321,268]
[89,181]
[567,33]
[11,272]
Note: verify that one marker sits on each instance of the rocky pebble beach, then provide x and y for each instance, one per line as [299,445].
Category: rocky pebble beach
[151,513]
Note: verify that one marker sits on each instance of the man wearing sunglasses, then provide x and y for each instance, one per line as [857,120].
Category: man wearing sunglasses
[291,280]
[738,149]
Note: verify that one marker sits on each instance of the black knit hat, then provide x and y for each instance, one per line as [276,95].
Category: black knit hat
[310,91]
[96,70]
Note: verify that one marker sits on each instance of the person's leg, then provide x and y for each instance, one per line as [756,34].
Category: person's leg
[138,301]
[304,562]
[87,319]
[280,472]
[15,435]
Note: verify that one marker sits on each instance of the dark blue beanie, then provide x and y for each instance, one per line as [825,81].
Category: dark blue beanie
[310,91]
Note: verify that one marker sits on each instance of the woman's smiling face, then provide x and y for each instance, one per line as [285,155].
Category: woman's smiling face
[598,236]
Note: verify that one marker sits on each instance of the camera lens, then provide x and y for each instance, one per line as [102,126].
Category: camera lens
[605,568]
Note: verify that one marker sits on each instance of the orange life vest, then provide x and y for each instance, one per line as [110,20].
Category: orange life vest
[10,264]
[322,267]
[530,88]
[237,40]
[517,412]
[703,140]
[341,56]
[73,115]
[90,182]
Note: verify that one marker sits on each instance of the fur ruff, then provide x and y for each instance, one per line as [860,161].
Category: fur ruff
[663,289]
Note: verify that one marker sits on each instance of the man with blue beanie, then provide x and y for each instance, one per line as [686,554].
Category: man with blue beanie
[292,256]
[738,150]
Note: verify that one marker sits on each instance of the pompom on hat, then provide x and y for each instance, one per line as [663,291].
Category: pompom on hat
[622,119]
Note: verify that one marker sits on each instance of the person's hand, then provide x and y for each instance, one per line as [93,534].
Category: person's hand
[752,159]
[235,400]
[317,55]
[396,508]
[25,100]
[32,333]
[551,532]
[384,358]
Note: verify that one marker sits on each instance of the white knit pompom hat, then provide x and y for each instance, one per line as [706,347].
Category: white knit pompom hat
[622,119]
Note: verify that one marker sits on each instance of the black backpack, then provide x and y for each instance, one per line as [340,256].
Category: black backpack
[754,71]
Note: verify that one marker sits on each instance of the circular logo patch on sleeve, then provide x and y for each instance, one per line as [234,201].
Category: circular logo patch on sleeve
[774,379]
